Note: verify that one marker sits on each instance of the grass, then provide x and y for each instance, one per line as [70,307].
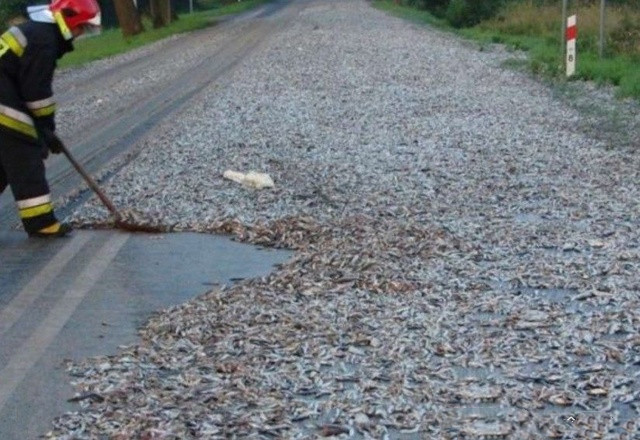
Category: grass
[409,13]
[111,42]
[537,30]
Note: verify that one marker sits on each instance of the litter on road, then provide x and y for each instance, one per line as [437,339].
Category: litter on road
[252,179]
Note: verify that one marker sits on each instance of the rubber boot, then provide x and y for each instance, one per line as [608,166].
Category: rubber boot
[56,230]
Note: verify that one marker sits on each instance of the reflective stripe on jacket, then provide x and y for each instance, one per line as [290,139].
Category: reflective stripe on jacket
[28,58]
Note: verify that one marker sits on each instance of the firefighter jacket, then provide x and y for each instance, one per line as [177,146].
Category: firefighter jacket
[28,56]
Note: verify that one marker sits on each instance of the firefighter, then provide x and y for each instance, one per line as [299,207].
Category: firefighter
[28,57]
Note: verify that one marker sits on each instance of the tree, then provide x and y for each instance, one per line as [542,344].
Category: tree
[10,9]
[160,12]
[128,18]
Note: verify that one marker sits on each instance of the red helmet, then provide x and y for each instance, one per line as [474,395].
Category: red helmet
[77,13]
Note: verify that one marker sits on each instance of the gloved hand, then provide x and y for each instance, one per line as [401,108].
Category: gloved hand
[44,151]
[53,142]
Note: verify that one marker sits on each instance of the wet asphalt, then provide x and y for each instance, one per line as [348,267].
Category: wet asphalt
[87,295]
[72,298]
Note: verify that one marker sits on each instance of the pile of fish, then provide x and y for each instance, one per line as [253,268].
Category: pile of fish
[467,251]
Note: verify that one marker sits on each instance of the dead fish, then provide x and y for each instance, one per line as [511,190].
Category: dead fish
[331,430]
[87,396]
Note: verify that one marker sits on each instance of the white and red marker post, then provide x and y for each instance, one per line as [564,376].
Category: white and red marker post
[571,35]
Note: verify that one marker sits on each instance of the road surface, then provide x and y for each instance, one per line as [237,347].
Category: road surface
[86,295]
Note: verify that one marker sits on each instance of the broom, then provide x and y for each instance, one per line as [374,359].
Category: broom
[128,222]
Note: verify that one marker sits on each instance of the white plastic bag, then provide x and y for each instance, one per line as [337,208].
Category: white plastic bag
[252,179]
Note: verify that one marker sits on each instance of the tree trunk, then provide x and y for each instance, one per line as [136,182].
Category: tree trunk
[160,12]
[128,18]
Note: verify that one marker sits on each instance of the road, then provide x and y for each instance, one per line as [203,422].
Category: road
[87,295]
[466,245]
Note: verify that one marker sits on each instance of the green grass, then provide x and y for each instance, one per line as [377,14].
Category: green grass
[409,13]
[537,31]
[544,54]
[111,42]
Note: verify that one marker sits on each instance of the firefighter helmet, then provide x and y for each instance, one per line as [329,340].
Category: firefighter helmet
[77,14]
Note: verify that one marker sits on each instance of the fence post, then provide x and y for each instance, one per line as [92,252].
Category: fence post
[602,23]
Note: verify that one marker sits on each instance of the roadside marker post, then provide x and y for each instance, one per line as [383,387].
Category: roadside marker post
[563,35]
[572,33]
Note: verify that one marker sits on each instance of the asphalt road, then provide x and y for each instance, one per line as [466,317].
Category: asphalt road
[98,137]
[87,295]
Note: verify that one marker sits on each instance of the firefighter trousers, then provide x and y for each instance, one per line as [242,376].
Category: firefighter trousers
[22,168]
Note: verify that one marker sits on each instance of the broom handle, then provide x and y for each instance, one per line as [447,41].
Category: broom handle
[92,183]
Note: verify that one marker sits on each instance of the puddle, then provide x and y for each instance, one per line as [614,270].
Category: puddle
[626,413]
[552,295]
[156,271]
[397,434]
[150,272]
[528,218]
[536,220]
[313,428]
[485,411]
[176,267]
[478,373]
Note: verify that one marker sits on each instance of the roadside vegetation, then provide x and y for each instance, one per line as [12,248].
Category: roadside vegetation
[111,41]
[535,26]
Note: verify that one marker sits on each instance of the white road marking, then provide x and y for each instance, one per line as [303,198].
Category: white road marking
[23,300]
[20,364]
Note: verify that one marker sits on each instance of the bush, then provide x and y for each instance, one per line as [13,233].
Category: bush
[626,38]
[459,13]
[437,7]
[10,9]
[463,13]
